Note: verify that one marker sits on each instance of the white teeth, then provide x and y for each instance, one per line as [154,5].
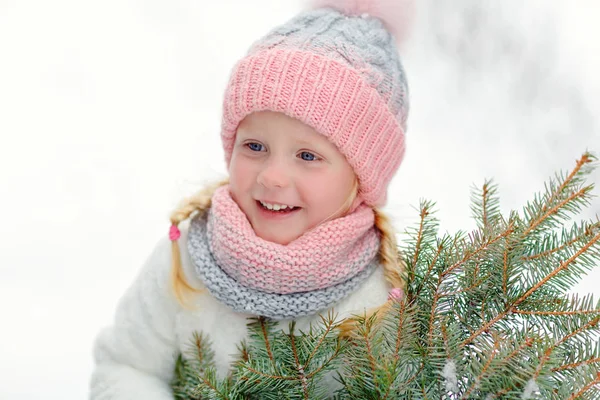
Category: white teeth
[276,207]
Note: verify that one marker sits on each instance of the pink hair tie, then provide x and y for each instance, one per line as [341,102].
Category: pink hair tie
[174,233]
[396,294]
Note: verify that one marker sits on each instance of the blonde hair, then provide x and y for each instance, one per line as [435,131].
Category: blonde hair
[196,204]
[388,251]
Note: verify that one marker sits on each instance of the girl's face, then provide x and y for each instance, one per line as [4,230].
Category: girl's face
[280,161]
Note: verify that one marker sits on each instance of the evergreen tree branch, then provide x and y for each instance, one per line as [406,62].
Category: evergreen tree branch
[485,205]
[263,327]
[299,366]
[329,326]
[424,214]
[585,388]
[505,269]
[469,255]
[198,340]
[440,248]
[473,286]
[580,194]
[523,297]
[577,364]
[464,322]
[401,311]
[369,348]
[484,369]
[590,324]
[270,376]
[424,392]
[484,200]
[546,356]
[416,375]
[585,159]
[528,342]
[587,233]
[432,314]
[389,387]
[557,313]
[498,394]
[483,305]
[485,327]
[332,357]
[558,269]
[215,390]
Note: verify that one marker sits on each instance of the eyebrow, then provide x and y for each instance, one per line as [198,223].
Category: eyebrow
[305,142]
[243,133]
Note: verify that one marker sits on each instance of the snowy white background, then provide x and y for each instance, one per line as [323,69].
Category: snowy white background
[109,114]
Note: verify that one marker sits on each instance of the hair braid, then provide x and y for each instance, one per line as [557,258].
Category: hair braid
[200,202]
[392,265]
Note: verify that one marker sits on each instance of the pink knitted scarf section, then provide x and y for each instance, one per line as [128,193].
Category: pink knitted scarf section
[328,254]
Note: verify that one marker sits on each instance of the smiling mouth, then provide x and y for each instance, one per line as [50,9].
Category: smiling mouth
[276,209]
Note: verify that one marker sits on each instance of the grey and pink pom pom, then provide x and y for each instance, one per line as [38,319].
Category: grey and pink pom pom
[396,15]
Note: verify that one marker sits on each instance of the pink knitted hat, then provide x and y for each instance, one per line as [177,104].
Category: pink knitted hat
[337,69]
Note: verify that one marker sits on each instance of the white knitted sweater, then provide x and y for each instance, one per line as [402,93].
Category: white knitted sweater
[135,357]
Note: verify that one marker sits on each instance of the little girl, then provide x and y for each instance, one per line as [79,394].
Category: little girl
[313,129]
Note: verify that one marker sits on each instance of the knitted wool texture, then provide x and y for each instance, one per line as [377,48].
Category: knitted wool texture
[342,76]
[329,254]
[249,300]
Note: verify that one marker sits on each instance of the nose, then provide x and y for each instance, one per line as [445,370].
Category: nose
[273,174]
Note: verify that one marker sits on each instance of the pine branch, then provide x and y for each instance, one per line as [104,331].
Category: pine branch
[485,205]
[263,326]
[558,269]
[400,314]
[329,327]
[577,364]
[209,387]
[419,243]
[483,371]
[432,264]
[589,231]
[299,366]
[585,388]
[424,214]
[557,313]
[505,268]
[593,323]
[549,208]
[469,255]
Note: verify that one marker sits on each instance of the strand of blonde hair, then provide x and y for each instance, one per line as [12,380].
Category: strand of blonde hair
[393,269]
[198,203]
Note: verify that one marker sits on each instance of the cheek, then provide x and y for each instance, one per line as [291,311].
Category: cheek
[240,175]
[329,191]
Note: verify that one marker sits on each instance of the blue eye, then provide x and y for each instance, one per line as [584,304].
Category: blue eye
[255,146]
[306,156]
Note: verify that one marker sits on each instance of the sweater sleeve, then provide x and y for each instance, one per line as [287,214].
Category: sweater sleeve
[135,357]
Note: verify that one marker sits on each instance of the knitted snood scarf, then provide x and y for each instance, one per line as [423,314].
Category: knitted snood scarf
[255,276]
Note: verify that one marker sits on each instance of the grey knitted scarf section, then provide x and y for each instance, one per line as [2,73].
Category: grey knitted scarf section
[251,301]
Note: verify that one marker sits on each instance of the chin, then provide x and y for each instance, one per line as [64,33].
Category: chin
[276,238]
